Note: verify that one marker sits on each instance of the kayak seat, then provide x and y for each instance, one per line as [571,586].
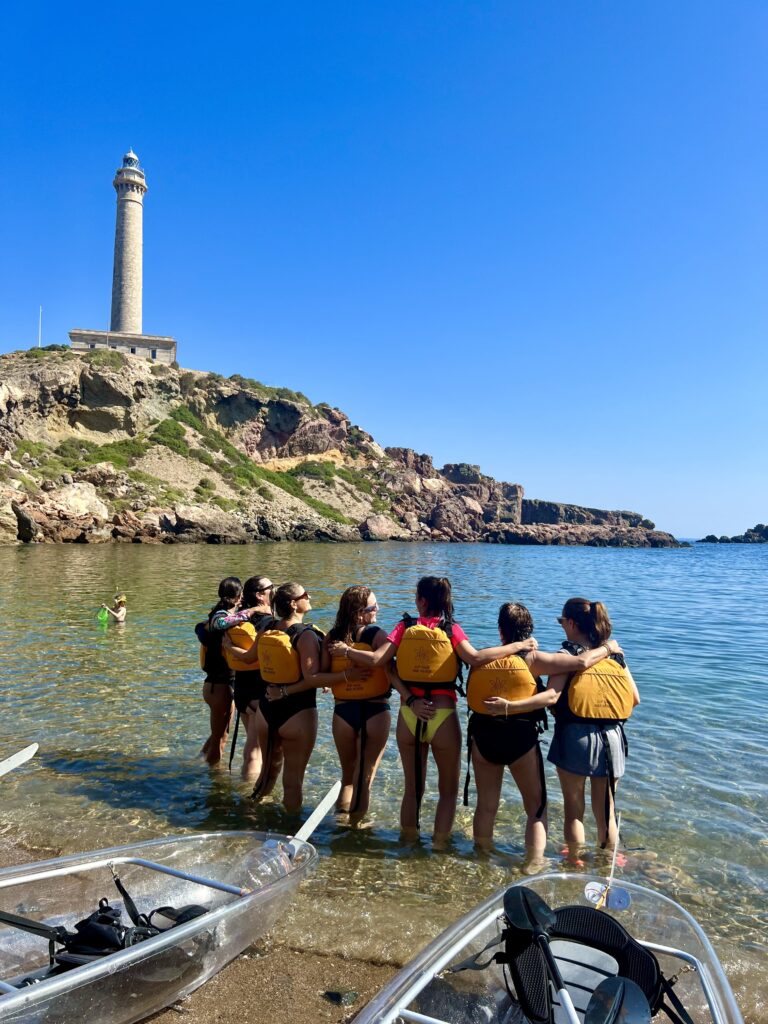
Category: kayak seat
[589,947]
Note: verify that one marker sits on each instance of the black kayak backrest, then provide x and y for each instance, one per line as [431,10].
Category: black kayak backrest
[601,931]
[588,927]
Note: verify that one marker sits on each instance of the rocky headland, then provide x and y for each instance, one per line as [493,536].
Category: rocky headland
[103,447]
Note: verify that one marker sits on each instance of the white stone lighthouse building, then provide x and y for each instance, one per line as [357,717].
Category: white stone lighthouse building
[125,334]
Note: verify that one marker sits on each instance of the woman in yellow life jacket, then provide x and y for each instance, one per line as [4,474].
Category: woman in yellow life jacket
[428,650]
[507,714]
[589,741]
[219,677]
[249,687]
[361,716]
[290,658]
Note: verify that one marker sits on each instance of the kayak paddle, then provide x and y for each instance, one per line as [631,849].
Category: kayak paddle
[18,758]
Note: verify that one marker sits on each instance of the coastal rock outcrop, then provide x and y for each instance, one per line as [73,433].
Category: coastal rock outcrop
[99,447]
[755,535]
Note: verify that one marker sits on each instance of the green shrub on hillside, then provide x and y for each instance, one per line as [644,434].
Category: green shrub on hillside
[33,448]
[77,453]
[139,477]
[226,504]
[183,414]
[202,456]
[45,350]
[266,392]
[106,358]
[172,435]
[324,471]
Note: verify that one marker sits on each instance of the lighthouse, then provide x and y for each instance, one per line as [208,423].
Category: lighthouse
[125,324]
[131,188]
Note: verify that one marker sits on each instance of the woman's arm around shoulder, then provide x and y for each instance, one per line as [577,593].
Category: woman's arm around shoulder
[545,663]
[476,659]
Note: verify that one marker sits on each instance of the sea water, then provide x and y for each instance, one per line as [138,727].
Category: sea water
[117,712]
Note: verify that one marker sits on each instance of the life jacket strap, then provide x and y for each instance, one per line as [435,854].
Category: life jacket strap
[468,776]
[542,782]
[421,728]
[234,742]
[358,793]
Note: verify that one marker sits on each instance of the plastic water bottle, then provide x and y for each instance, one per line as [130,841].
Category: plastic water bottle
[270,862]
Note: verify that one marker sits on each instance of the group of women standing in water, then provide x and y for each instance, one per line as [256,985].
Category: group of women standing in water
[259,652]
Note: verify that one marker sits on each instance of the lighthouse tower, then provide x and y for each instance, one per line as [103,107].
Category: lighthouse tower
[124,334]
[127,274]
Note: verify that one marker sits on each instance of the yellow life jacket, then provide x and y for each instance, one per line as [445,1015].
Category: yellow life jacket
[279,661]
[377,684]
[509,678]
[243,635]
[425,656]
[602,692]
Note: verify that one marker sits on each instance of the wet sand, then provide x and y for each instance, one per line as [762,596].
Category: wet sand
[273,983]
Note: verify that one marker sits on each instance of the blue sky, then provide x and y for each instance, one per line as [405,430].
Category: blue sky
[529,236]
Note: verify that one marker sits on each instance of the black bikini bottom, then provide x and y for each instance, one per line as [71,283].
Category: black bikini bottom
[277,712]
[356,712]
[501,739]
[249,689]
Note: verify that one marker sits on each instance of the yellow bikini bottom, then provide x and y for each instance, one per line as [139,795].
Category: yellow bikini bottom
[430,727]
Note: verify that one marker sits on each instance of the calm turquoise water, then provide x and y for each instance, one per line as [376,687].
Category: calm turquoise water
[118,716]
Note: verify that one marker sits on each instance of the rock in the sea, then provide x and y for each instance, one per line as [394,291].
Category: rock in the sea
[379,527]
[27,529]
[758,534]
[205,523]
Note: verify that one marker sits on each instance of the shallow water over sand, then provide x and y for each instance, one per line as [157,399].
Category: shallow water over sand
[118,716]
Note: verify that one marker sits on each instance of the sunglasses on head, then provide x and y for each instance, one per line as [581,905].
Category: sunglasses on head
[269,586]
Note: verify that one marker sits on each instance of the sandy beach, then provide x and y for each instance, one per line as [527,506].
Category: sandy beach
[274,983]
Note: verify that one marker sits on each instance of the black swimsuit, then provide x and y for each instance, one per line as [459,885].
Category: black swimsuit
[503,739]
[356,712]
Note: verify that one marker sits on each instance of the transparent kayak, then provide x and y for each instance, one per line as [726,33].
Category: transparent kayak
[239,883]
[431,990]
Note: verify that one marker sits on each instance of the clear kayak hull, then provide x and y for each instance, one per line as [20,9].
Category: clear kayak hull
[230,873]
[427,990]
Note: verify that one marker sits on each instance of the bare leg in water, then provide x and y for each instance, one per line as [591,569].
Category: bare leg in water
[218,697]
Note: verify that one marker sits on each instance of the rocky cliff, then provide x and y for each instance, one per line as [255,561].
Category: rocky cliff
[101,447]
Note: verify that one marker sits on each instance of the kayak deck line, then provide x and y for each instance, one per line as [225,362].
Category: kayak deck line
[94,865]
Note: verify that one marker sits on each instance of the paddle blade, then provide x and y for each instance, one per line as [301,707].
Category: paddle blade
[16,759]
[618,1001]
[315,817]
[526,910]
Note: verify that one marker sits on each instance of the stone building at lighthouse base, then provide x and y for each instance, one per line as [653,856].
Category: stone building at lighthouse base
[155,347]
